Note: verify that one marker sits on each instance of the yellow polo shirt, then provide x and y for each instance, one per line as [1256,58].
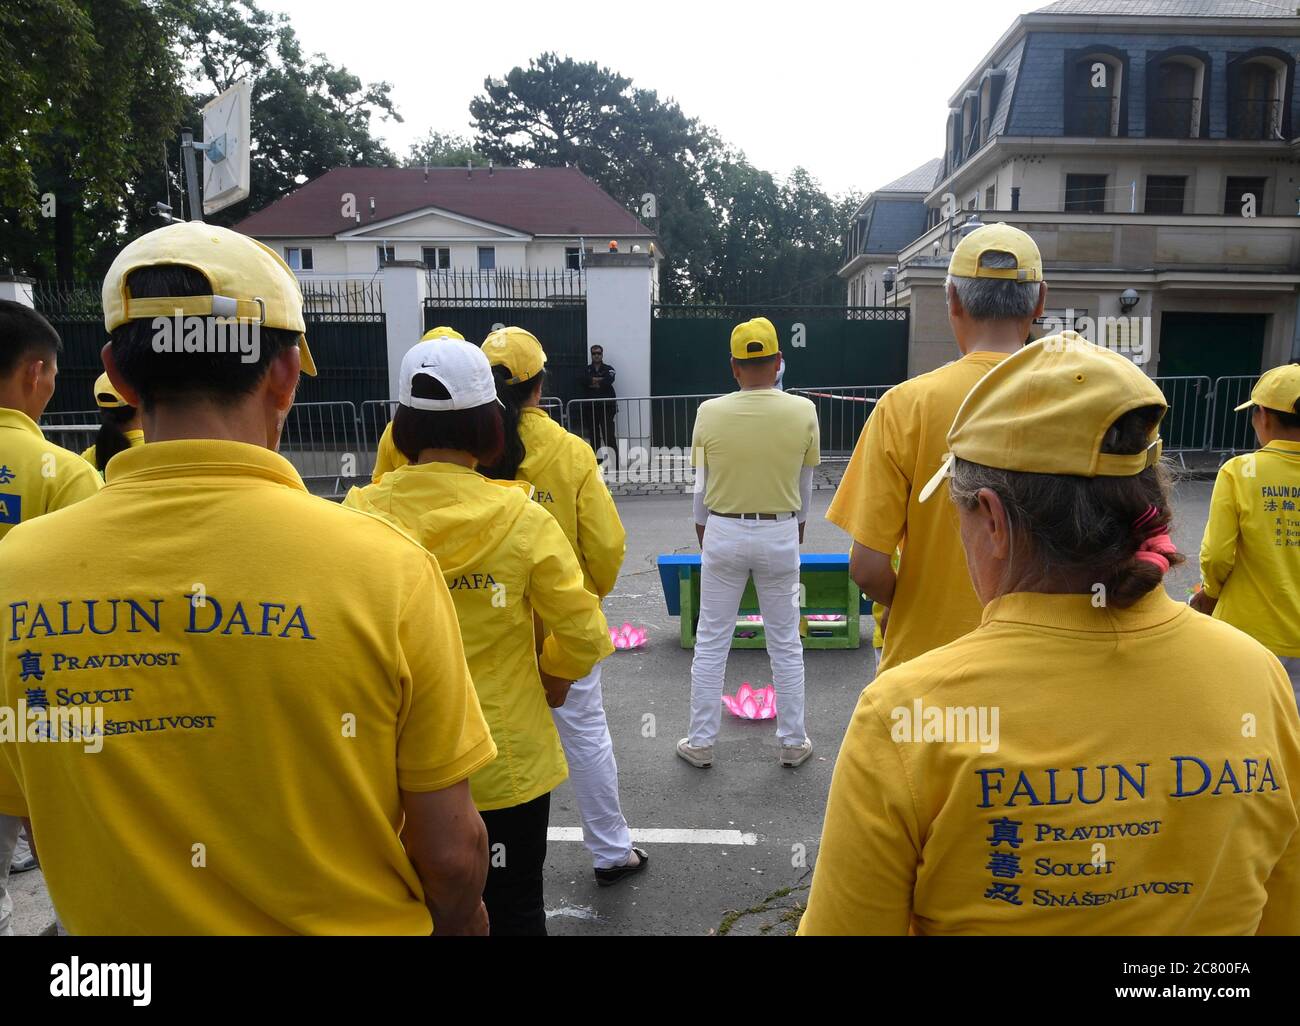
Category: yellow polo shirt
[36,476]
[134,437]
[902,445]
[1250,555]
[503,557]
[1142,776]
[754,443]
[272,672]
[567,483]
[387,455]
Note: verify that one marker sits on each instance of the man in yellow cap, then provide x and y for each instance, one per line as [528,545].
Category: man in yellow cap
[995,290]
[1250,556]
[284,725]
[35,477]
[121,427]
[753,452]
[387,455]
[1077,764]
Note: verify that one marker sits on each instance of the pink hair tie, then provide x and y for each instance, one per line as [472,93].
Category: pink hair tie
[1157,547]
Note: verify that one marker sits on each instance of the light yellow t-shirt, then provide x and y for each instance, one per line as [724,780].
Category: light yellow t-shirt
[37,477]
[1123,794]
[1250,556]
[754,443]
[272,670]
[134,437]
[567,482]
[503,558]
[902,445]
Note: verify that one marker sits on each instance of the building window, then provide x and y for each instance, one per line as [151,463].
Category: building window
[298,258]
[1094,96]
[1085,194]
[1165,194]
[1257,92]
[573,258]
[384,255]
[1244,197]
[991,197]
[1175,87]
[436,258]
[487,258]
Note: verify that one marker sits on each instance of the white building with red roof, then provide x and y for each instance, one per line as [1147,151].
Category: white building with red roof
[351,221]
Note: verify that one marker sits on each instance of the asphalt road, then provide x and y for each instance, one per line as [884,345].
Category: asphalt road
[692,888]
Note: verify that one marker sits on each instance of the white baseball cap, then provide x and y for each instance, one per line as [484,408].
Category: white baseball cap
[459,366]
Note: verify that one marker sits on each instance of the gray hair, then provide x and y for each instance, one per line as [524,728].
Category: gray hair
[996,299]
[1072,533]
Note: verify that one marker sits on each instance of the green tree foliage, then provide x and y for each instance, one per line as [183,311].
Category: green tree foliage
[89,90]
[92,97]
[729,231]
[437,149]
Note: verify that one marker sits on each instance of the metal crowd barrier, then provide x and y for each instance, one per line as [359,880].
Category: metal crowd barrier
[1230,432]
[666,421]
[321,441]
[1186,425]
[842,413]
[75,430]
[333,448]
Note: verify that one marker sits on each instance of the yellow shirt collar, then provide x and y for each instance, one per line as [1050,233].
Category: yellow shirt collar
[1077,612]
[1283,445]
[201,457]
[16,419]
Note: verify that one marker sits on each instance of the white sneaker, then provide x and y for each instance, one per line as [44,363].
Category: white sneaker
[701,758]
[796,755]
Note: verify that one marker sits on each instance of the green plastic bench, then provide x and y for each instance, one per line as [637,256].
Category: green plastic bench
[825,589]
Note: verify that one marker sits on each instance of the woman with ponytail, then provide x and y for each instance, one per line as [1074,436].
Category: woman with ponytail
[567,482]
[1094,758]
[120,425]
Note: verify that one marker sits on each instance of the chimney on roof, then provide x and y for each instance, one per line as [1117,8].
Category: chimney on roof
[469,168]
[490,169]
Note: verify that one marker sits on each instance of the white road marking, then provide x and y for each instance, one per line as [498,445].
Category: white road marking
[665,836]
[572,912]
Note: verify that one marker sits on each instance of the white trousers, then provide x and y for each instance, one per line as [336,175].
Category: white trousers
[735,550]
[9,827]
[584,733]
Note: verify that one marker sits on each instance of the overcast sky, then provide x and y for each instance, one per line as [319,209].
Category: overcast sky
[855,92]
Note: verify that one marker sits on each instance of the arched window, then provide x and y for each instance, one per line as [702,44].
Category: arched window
[954,141]
[1259,92]
[1176,91]
[1094,94]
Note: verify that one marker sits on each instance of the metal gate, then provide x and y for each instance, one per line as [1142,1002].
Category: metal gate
[550,304]
[689,345]
[346,331]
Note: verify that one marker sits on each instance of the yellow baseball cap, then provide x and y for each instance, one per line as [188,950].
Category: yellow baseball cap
[248,280]
[1277,389]
[997,238]
[106,396]
[760,331]
[516,350]
[1046,410]
[442,333]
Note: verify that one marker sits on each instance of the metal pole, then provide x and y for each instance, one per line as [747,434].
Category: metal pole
[191,177]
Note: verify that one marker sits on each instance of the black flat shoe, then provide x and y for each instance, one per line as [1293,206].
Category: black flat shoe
[609,877]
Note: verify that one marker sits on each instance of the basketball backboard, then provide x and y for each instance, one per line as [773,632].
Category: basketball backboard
[226,138]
